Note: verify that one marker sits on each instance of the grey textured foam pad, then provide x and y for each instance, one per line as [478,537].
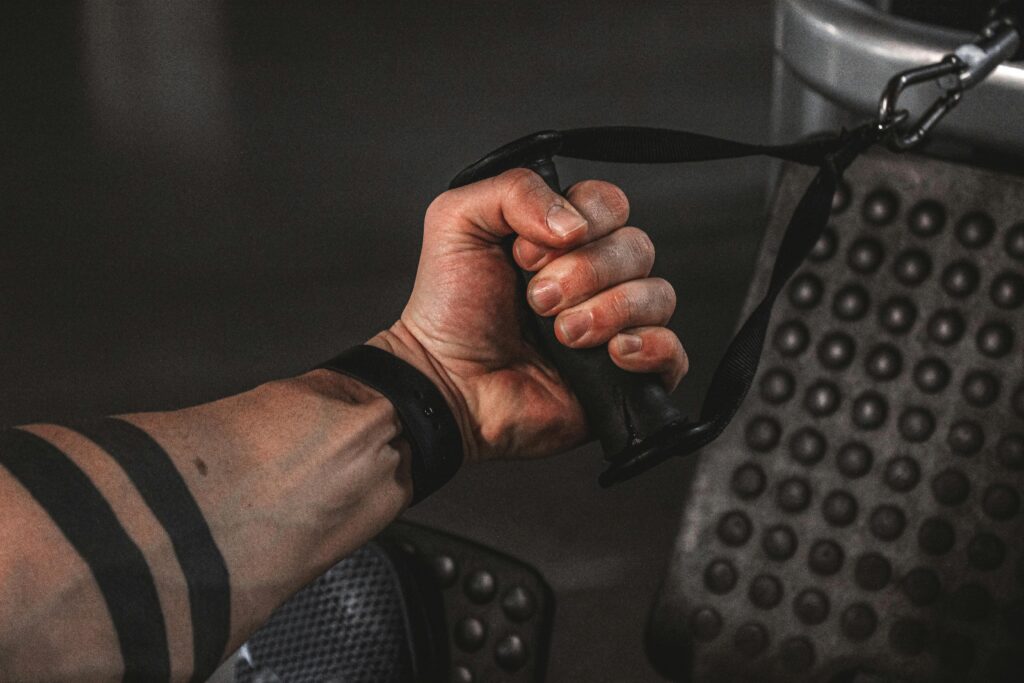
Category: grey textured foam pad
[348,625]
[861,518]
[415,604]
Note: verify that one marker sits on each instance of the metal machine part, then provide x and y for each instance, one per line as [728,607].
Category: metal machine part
[833,57]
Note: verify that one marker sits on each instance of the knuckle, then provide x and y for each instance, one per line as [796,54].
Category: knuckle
[440,207]
[528,254]
[580,274]
[639,244]
[580,190]
[665,292]
[616,201]
[675,354]
[620,305]
[624,306]
[521,183]
[682,366]
[591,275]
[604,194]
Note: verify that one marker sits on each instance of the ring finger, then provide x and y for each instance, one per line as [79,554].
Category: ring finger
[636,303]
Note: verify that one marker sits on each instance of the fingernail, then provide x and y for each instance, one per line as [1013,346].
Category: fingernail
[563,220]
[575,325]
[527,263]
[629,343]
[545,295]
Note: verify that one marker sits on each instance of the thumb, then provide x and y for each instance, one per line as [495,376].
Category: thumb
[517,201]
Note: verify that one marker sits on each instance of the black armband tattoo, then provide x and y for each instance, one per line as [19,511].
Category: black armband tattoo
[88,522]
[164,490]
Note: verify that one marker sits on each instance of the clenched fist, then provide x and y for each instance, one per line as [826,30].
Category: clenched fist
[463,325]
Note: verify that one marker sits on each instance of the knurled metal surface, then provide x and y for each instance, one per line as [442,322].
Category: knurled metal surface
[348,625]
[863,511]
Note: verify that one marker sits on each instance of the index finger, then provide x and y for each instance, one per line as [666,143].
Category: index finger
[517,201]
[603,204]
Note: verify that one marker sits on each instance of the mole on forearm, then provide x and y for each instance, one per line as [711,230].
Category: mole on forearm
[166,494]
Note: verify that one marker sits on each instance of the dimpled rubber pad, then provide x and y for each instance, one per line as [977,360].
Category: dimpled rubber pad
[863,511]
[499,611]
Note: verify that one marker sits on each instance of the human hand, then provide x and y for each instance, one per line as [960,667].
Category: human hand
[464,326]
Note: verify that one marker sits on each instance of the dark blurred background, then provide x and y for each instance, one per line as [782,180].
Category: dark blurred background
[201,196]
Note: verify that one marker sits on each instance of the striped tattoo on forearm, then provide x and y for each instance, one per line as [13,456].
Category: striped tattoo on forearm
[165,492]
[90,524]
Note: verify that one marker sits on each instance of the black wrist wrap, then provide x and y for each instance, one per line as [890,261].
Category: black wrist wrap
[427,421]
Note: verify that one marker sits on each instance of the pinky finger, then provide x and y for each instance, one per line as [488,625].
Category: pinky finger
[653,350]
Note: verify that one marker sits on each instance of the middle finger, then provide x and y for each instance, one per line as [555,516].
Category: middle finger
[603,204]
[626,254]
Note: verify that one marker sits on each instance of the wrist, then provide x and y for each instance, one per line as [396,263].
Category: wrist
[336,440]
[335,389]
[401,342]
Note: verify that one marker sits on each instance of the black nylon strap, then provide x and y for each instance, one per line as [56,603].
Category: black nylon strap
[164,490]
[736,370]
[640,145]
[88,522]
[739,363]
[427,420]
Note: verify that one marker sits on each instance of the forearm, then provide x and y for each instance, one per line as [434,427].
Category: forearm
[289,478]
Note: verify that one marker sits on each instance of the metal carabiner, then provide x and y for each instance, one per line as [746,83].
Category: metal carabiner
[967,66]
[889,116]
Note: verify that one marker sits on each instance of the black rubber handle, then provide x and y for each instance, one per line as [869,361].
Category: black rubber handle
[623,408]
[631,414]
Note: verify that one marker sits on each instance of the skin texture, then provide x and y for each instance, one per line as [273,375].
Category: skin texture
[296,474]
